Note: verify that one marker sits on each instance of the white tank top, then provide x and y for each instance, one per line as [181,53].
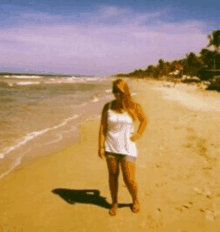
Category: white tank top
[119,130]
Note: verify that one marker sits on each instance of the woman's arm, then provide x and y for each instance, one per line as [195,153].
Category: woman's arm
[102,131]
[143,123]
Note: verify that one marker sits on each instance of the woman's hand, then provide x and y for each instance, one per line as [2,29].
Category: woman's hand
[102,152]
[135,137]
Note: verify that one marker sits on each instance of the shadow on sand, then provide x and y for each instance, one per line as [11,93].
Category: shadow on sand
[85,196]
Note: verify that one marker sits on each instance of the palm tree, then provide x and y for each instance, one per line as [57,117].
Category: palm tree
[207,57]
[214,40]
[161,66]
[192,64]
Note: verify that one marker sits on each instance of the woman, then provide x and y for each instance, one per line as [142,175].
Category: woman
[117,141]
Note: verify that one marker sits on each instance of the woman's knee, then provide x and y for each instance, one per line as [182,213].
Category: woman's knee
[113,167]
[129,181]
[113,173]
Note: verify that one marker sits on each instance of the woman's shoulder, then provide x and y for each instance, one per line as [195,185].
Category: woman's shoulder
[137,107]
[135,104]
[107,105]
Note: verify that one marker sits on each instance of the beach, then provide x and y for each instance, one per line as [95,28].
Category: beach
[177,173]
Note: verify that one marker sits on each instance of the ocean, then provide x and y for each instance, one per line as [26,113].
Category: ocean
[42,114]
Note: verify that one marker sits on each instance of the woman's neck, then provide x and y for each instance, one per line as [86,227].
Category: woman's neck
[118,104]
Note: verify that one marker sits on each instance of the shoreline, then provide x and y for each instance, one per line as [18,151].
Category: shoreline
[52,139]
[32,156]
[44,118]
[177,172]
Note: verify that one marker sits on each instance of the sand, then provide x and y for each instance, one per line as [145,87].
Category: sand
[177,173]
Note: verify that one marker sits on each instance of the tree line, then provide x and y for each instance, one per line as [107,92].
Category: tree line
[192,64]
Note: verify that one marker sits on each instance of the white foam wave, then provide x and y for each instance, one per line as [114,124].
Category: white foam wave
[92,78]
[83,104]
[15,164]
[95,99]
[28,83]
[33,135]
[22,77]
[60,80]
[108,90]
[65,80]
[70,79]
[82,79]
[56,140]
[93,117]
[60,135]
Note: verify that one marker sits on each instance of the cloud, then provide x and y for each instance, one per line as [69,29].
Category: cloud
[107,12]
[124,42]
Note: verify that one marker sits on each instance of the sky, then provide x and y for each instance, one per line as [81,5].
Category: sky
[101,37]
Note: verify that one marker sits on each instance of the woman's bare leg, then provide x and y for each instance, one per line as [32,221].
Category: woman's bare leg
[113,170]
[128,170]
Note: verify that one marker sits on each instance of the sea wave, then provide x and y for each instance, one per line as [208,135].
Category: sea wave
[59,137]
[54,78]
[53,88]
[14,164]
[94,99]
[34,134]
[28,83]
[13,82]
[22,77]
[31,102]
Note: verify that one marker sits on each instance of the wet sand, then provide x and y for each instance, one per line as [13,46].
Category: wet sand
[177,174]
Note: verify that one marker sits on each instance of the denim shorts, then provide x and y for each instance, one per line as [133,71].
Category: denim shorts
[120,157]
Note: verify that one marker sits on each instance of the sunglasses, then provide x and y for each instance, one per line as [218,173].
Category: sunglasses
[116,91]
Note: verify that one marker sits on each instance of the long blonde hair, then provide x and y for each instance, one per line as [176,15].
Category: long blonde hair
[128,103]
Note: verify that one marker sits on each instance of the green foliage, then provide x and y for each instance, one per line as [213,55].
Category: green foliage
[214,39]
[191,65]
[207,58]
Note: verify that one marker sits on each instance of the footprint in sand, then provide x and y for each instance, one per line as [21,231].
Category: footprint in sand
[209,215]
[151,223]
[205,191]
[199,145]
[187,205]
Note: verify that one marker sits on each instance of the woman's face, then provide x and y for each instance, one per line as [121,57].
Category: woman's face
[118,94]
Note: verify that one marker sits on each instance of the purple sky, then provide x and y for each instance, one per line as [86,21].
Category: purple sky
[89,44]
